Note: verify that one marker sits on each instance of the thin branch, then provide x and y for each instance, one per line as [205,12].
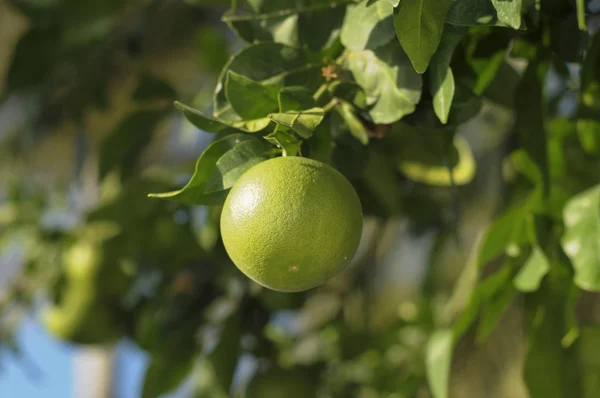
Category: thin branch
[230,17]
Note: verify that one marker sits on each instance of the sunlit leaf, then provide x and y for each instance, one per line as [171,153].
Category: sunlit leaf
[368,26]
[413,162]
[509,12]
[212,125]
[441,78]
[302,123]
[284,140]
[356,127]
[532,272]
[581,241]
[438,361]
[392,86]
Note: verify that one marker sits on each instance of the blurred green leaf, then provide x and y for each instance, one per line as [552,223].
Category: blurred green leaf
[588,131]
[165,374]
[589,344]
[423,156]
[367,26]
[441,78]
[419,26]
[213,48]
[493,286]
[196,192]
[493,310]
[224,357]
[580,241]
[355,125]
[438,361]
[392,86]
[249,99]
[505,235]
[509,12]
[212,125]
[123,147]
[302,123]
[35,58]
[152,88]
[394,2]
[532,272]
[472,13]
[531,117]
[546,325]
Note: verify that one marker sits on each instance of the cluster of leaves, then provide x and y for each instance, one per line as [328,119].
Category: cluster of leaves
[380,90]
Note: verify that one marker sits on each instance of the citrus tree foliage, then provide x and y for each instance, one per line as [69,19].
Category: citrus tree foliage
[381,90]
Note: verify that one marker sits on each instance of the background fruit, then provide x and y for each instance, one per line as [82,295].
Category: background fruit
[291,223]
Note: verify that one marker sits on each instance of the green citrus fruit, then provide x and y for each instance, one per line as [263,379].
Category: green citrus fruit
[291,223]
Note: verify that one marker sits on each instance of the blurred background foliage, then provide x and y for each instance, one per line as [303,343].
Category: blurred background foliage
[466,283]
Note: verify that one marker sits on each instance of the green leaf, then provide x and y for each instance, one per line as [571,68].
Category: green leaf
[224,357]
[589,345]
[319,30]
[236,162]
[533,271]
[438,361]
[320,144]
[35,58]
[581,240]
[269,64]
[531,117]
[472,13]
[589,97]
[546,324]
[165,374]
[295,98]
[506,235]
[441,78]
[367,26]
[196,192]
[284,140]
[493,311]
[123,147]
[249,99]
[302,123]
[509,12]
[465,105]
[490,287]
[588,131]
[392,87]
[151,88]
[419,26]
[355,125]
[394,2]
[212,125]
